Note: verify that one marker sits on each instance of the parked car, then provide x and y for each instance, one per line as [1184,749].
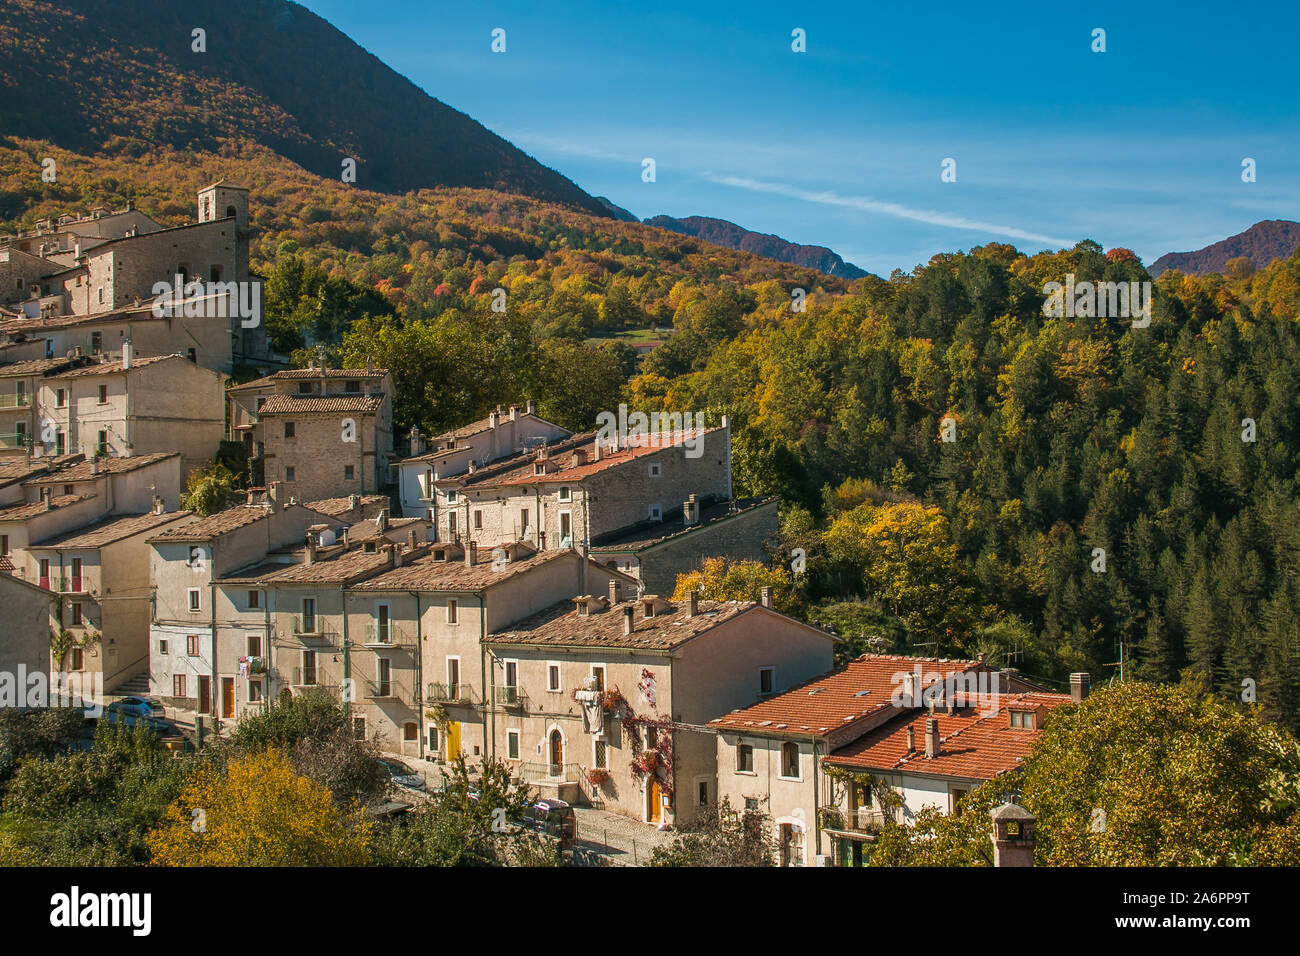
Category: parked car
[402,775]
[136,707]
[555,818]
[131,710]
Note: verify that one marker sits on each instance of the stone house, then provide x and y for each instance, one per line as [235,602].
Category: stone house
[25,638]
[503,434]
[659,671]
[880,738]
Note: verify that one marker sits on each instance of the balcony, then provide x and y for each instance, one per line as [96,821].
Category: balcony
[860,820]
[385,635]
[15,401]
[509,696]
[310,628]
[461,693]
[385,690]
[15,440]
[549,772]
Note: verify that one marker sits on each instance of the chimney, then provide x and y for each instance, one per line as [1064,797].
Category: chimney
[126,354]
[397,555]
[514,413]
[1013,835]
[158,504]
[94,464]
[691,511]
[692,603]
[311,548]
[765,596]
[595,450]
[531,407]
[381,521]
[1080,685]
[613,591]
[410,539]
[415,440]
[911,739]
[580,456]
[494,419]
[932,736]
[627,620]
[354,502]
[47,494]
[471,554]
[345,539]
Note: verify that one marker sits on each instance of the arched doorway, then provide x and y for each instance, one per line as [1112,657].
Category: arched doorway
[557,753]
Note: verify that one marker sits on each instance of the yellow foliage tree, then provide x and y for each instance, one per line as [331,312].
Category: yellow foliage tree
[258,813]
[721,580]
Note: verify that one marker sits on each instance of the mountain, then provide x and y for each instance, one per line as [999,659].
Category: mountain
[1261,244]
[723,233]
[618,212]
[104,76]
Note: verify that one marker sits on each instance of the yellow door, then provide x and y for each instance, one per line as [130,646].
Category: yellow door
[453,740]
[656,799]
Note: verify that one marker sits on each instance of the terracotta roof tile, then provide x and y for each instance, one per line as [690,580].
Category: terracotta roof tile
[560,624]
[298,374]
[30,510]
[108,530]
[337,507]
[115,368]
[976,742]
[426,574]
[82,471]
[825,703]
[310,404]
[344,568]
[213,526]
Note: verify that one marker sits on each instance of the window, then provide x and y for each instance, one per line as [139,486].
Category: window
[289,474]
[598,672]
[60,444]
[553,677]
[433,737]
[453,677]
[957,797]
[103,394]
[352,387]
[4,544]
[308,616]
[101,295]
[192,645]
[656,513]
[60,397]
[44,570]
[410,731]
[68,490]
[304,388]
[254,600]
[76,612]
[358,728]
[101,442]
[566,494]
[78,659]
[512,745]
[195,604]
[566,528]
[656,471]
[254,645]
[349,472]
[261,400]
[790,760]
[523,520]
[383,624]
[308,668]
[704,793]
[766,680]
[383,676]
[451,522]
[192,355]
[751,803]
[288,429]
[451,496]
[601,757]
[1023,719]
[214,273]
[254,691]
[178,685]
[478,519]
[162,648]
[452,610]
[511,673]
[745,758]
[96,338]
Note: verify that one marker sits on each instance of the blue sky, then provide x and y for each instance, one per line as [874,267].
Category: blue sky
[841,146]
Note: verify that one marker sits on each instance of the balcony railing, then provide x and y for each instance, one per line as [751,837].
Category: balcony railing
[510,696]
[451,693]
[390,689]
[860,820]
[15,440]
[546,771]
[378,635]
[311,628]
[15,401]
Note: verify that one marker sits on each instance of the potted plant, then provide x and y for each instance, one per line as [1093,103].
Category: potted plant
[598,776]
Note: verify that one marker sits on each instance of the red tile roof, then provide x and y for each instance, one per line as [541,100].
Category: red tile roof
[109,530]
[298,374]
[32,509]
[975,742]
[84,470]
[115,368]
[834,700]
[310,404]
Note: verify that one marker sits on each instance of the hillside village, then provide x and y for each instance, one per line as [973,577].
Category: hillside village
[502,590]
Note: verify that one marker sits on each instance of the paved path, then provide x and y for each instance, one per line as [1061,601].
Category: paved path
[620,840]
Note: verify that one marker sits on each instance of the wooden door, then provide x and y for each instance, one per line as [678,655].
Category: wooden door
[453,740]
[656,799]
[557,753]
[205,694]
[227,697]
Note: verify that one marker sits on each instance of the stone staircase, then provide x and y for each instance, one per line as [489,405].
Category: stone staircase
[138,686]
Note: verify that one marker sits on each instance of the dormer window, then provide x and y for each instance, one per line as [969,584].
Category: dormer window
[539,468]
[1022,719]
[304,388]
[451,443]
[353,387]
[451,495]
[368,547]
[439,554]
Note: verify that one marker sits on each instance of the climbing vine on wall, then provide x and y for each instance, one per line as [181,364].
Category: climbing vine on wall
[658,759]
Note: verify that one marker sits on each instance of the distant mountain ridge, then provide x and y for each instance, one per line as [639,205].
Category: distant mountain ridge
[724,233]
[1261,244]
[123,76]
